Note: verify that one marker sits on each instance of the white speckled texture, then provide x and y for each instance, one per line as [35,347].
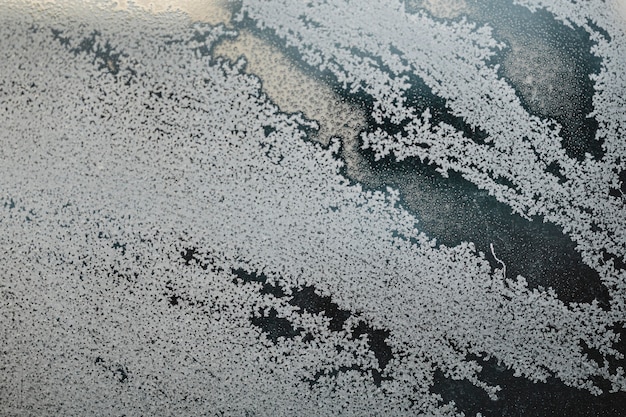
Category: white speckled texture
[156,206]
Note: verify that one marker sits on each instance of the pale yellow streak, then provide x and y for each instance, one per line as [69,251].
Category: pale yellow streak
[284,82]
[292,89]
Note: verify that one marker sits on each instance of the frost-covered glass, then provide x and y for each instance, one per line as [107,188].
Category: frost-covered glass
[303,208]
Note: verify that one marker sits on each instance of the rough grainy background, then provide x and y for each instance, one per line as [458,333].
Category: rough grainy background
[382,208]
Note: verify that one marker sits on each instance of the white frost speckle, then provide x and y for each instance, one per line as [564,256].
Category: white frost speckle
[156,209]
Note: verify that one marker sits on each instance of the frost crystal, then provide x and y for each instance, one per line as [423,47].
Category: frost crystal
[173,244]
[374,47]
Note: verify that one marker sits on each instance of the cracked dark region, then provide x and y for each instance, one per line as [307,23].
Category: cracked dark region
[518,397]
[307,299]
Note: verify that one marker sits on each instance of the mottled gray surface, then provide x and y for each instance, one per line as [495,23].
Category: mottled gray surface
[172,243]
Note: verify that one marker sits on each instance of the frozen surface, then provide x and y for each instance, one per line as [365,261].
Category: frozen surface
[173,243]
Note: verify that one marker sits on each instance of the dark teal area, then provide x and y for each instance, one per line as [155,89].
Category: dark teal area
[548,64]
[570,101]
[454,210]
[520,397]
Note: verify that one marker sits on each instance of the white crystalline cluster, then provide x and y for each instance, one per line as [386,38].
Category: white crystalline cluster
[373,47]
[141,181]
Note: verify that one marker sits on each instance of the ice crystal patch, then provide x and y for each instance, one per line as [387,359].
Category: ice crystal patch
[173,242]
